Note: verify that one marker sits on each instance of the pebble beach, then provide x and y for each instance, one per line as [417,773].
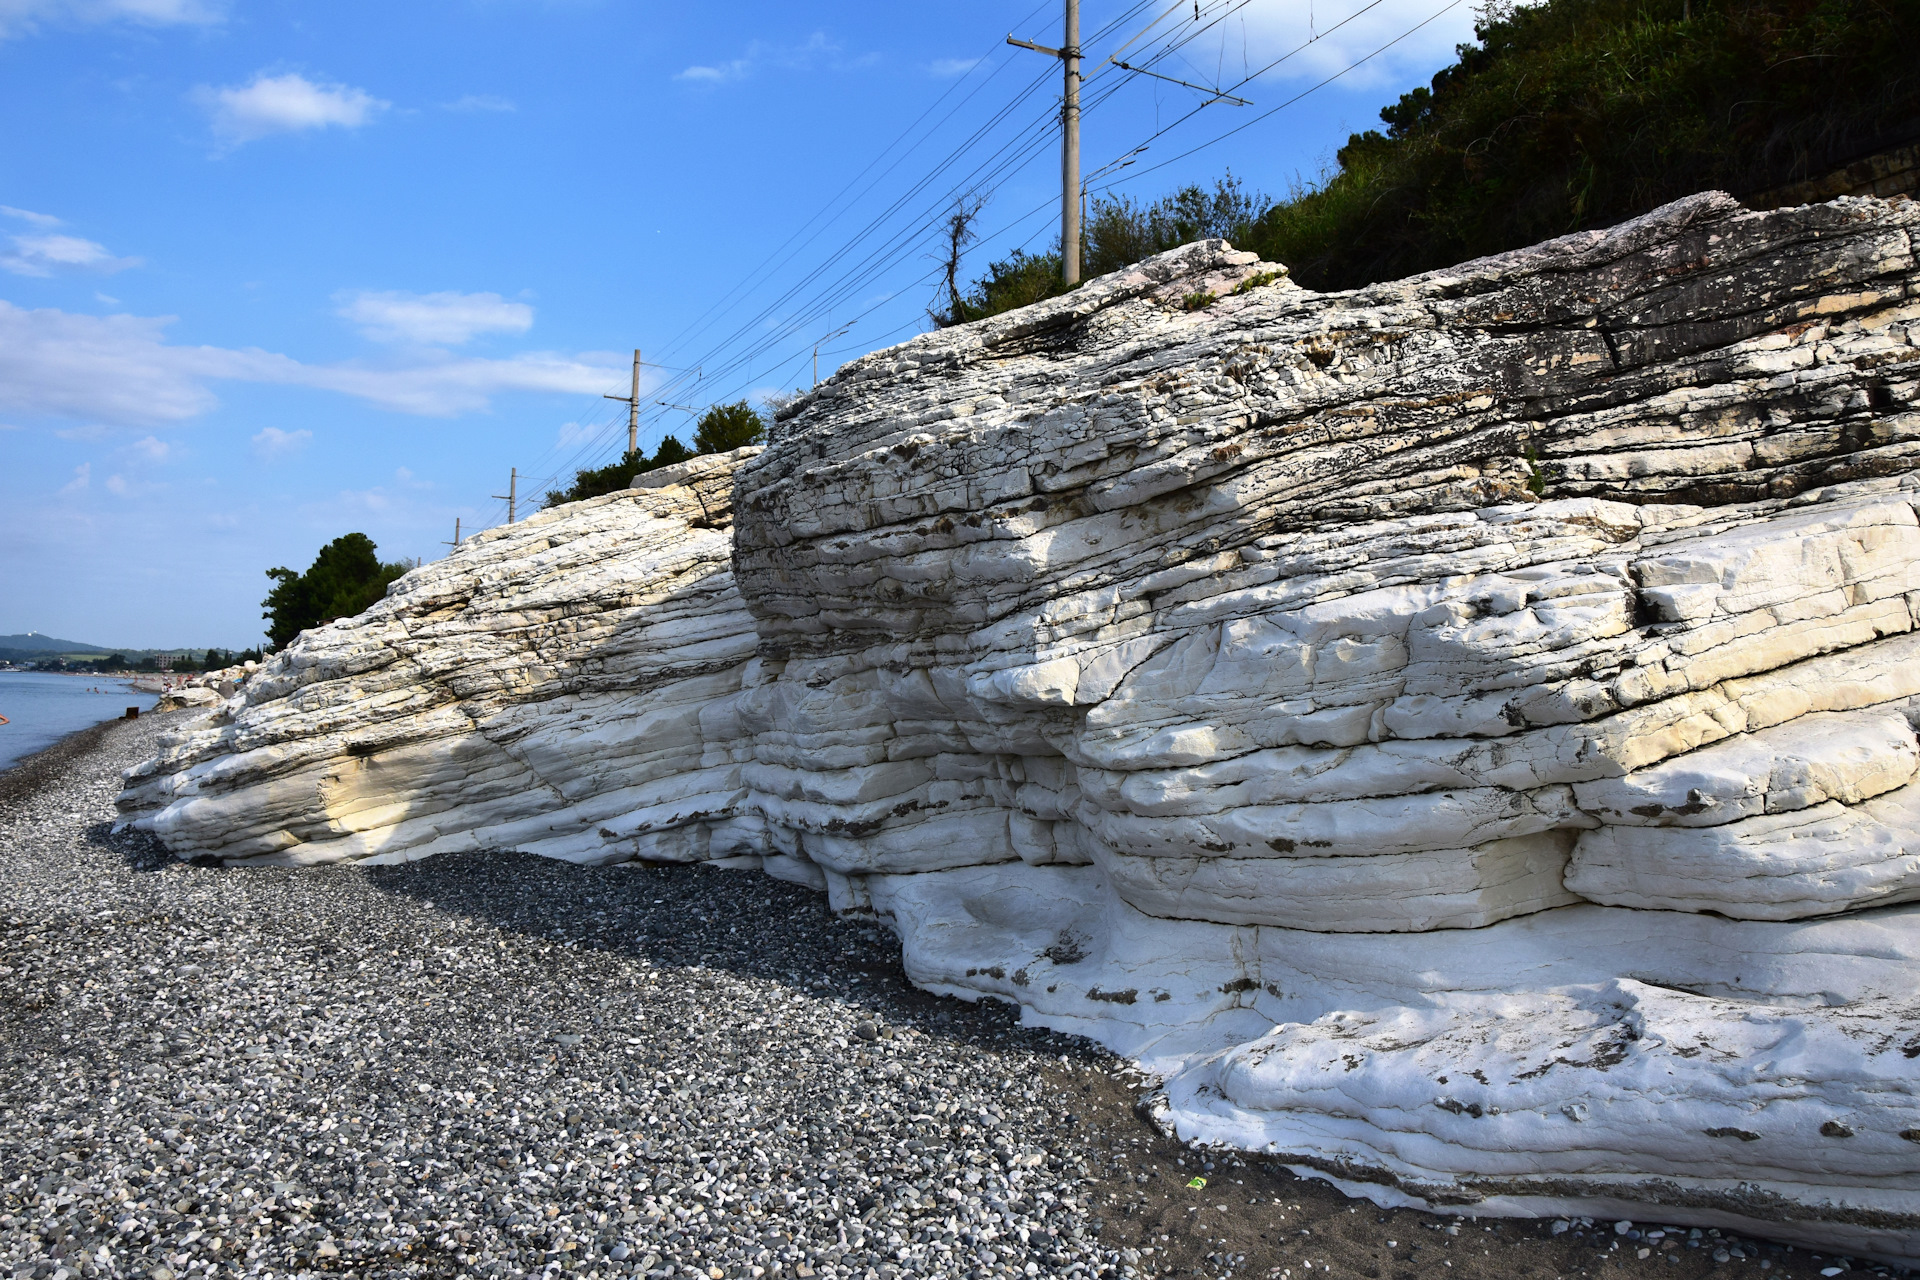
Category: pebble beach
[502,1066]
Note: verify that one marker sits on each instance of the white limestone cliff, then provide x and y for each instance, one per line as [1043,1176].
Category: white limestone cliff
[1459,731]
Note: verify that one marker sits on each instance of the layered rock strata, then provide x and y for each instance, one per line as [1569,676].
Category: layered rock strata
[1460,731]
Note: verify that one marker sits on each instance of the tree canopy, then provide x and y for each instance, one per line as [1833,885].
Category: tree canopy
[346,578]
[727,427]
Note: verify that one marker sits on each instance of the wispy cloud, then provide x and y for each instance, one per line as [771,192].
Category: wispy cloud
[82,477]
[716,73]
[817,51]
[150,449]
[20,17]
[479,102]
[948,67]
[287,103]
[29,217]
[42,255]
[272,444]
[45,251]
[120,369]
[432,319]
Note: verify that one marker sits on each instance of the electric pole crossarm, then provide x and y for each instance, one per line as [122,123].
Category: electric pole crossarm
[512,496]
[1037,48]
[632,402]
[1198,88]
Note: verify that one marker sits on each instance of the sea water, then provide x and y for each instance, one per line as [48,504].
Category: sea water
[41,708]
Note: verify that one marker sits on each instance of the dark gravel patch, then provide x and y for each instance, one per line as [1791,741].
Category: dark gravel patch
[29,775]
[496,1065]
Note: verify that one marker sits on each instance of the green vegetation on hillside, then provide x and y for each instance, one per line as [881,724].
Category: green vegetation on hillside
[722,428]
[344,579]
[94,659]
[1565,115]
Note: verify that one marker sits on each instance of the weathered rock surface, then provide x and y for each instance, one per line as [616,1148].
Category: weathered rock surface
[1460,731]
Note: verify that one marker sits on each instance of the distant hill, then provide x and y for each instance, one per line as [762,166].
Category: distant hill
[34,641]
[35,647]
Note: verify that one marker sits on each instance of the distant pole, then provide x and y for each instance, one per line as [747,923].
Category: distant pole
[633,406]
[455,544]
[512,496]
[1070,151]
[1069,55]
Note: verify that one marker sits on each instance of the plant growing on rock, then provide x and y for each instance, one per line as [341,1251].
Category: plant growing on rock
[344,579]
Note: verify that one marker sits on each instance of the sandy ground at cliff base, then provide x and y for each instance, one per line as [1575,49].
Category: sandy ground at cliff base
[503,1066]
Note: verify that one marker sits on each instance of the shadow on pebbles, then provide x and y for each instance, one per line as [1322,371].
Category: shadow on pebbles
[501,1066]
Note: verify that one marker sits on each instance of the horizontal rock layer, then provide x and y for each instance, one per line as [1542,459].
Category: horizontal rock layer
[1461,731]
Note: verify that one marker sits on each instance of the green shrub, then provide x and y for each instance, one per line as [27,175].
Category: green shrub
[346,578]
[727,427]
[1583,113]
[722,428]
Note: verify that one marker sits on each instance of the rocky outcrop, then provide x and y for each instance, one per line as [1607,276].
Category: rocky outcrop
[546,688]
[1460,732]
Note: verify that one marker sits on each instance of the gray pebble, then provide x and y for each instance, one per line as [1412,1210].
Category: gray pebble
[490,1065]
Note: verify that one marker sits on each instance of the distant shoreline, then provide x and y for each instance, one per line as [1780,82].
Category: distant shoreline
[144,681]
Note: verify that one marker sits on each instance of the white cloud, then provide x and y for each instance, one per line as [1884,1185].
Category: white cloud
[151,448]
[82,476]
[18,17]
[952,66]
[433,319]
[480,102]
[120,369]
[272,444]
[734,70]
[816,51]
[116,485]
[285,104]
[42,255]
[27,215]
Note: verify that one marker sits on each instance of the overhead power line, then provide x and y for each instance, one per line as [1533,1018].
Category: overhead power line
[777,335]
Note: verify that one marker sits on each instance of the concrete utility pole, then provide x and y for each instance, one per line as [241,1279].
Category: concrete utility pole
[455,544]
[1069,55]
[633,406]
[512,496]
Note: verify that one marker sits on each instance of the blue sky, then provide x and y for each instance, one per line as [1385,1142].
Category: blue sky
[272,271]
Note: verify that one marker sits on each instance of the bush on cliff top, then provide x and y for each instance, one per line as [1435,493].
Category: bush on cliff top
[721,429]
[344,579]
[1563,116]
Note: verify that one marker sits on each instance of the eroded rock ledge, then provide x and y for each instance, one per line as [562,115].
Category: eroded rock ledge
[1460,731]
